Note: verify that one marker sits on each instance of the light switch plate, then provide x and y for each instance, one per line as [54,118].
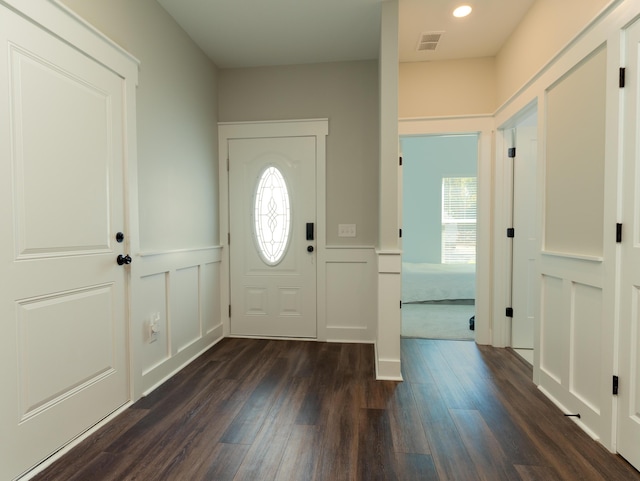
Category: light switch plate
[346,230]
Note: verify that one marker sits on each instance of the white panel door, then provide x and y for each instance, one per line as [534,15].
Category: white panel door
[525,242]
[63,363]
[628,443]
[272,204]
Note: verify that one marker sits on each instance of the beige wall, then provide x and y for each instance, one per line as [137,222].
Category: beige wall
[176,114]
[480,86]
[546,29]
[347,94]
[575,156]
[447,87]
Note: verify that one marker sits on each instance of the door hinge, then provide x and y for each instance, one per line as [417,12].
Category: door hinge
[400,304]
[615,385]
[618,233]
[622,77]
[511,232]
[400,232]
[509,312]
[400,158]
[227,164]
[511,152]
[229,310]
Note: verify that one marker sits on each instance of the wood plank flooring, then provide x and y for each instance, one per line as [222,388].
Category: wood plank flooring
[295,411]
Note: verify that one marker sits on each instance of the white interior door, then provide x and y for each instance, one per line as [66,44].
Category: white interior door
[63,363]
[629,360]
[525,242]
[272,215]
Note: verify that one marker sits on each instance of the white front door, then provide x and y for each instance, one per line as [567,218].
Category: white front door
[63,318]
[628,443]
[525,242]
[272,220]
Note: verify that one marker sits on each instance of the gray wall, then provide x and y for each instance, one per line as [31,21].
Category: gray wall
[176,122]
[425,161]
[347,94]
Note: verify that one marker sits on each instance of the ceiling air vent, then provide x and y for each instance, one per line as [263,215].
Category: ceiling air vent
[429,40]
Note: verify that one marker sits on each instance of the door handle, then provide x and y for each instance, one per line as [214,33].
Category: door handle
[123,259]
[309,231]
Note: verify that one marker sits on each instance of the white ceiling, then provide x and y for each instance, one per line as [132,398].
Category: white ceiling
[251,33]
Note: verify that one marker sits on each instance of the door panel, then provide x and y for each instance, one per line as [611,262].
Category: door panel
[63,361]
[525,242]
[629,371]
[272,296]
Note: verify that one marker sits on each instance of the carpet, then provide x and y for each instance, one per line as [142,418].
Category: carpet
[437,321]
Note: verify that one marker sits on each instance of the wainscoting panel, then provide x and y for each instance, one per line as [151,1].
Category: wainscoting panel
[210,296]
[158,351]
[181,290]
[586,338]
[184,307]
[553,337]
[350,294]
[575,357]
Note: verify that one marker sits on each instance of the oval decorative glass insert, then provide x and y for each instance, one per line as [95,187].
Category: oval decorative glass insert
[272,216]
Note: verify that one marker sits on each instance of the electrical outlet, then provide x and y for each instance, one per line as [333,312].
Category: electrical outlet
[346,230]
[154,327]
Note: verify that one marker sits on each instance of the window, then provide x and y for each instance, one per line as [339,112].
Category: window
[459,220]
[272,216]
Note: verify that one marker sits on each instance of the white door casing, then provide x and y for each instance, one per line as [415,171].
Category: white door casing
[63,315]
[274,298]
[628,430]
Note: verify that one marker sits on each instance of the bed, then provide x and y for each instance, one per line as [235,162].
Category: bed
[436,282]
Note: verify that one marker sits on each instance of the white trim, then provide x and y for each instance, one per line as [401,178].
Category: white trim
[273,129]
[483,125]
[274,338]
[416,120]
[94,30]
[387,369]
[346,334]
[566,255]
[178,251]
[61,22]
[389,262]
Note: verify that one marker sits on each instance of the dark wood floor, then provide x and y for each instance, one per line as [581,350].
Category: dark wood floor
[296,411]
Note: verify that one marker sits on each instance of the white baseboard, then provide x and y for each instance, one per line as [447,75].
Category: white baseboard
[387,369]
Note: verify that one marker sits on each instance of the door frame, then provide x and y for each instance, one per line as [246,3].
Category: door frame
[505,139]
[403,190]
[318,128]
[482,125]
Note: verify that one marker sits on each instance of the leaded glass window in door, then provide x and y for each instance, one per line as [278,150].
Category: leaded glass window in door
[272,216]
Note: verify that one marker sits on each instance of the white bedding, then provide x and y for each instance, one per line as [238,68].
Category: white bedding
[434,282]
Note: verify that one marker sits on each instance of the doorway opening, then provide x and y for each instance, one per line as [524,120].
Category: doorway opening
[439,206]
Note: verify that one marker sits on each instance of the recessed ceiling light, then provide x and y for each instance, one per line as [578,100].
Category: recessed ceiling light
[462,11]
